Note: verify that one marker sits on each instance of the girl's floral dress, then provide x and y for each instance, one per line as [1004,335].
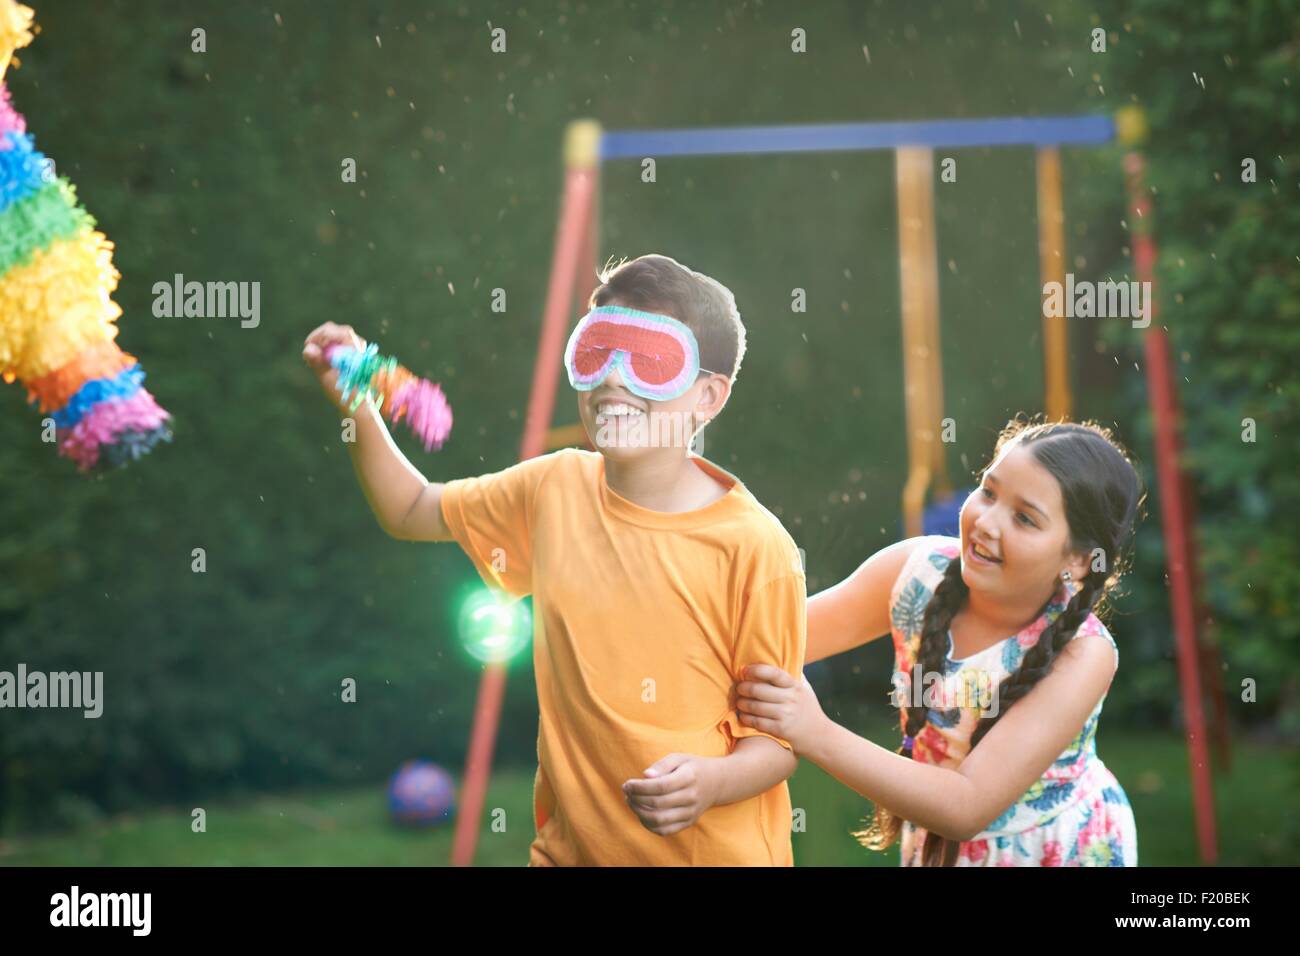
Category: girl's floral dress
[1076,814]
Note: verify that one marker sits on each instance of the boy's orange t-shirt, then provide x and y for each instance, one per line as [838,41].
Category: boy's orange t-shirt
[642,621]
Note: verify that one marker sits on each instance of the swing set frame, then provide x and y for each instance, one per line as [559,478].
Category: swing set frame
[572,280]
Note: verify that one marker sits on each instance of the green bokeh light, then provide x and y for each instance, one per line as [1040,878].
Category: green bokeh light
[490,629]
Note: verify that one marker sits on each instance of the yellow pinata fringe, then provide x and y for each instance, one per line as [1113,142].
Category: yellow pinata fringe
[15,30]
[57,305]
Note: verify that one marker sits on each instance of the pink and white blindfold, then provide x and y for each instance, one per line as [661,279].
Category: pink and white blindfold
[656,355]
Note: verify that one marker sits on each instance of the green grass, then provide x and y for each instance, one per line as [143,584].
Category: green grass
[349,827]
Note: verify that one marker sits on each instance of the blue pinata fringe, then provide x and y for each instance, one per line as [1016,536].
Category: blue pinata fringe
[122,385]
[20,169]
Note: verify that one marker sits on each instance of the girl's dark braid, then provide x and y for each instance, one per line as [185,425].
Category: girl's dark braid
[1038,659]
[947,599]
[1034,666]
[931,655]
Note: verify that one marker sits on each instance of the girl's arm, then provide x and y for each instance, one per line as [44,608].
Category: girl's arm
[960,803]
[856,611]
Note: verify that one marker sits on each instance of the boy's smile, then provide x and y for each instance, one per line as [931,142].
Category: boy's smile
[614,417]
[614,405]
[608,410]
[626,424]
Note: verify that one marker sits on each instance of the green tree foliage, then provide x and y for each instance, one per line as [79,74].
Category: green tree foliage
[1219,85]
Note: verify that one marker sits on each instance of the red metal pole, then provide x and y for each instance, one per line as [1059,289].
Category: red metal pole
[1173,510]
[575,220]
[478,763]
[585,282]
[1211,664]
[571,239]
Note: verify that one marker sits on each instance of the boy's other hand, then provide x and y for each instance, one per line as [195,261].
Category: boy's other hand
[675,792]
[313,354]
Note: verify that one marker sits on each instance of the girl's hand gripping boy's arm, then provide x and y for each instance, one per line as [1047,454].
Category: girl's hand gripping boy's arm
[956,803]
[406,504]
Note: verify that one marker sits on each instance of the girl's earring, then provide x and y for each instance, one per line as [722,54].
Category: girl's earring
[1065,575]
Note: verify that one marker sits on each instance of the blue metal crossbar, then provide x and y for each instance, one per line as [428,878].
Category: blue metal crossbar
[815,138]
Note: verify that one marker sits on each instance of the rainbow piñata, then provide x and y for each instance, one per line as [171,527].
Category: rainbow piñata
[56,315]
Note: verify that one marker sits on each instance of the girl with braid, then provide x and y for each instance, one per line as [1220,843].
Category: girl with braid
[1001,666]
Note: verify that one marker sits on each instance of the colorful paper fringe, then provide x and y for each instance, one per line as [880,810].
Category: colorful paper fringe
[390,386]
[57,320]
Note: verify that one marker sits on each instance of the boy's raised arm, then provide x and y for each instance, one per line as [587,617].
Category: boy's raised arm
[406,504]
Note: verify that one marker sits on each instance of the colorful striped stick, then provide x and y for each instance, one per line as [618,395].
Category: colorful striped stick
[394,390]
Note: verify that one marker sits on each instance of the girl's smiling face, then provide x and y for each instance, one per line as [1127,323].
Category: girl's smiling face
[1015,540]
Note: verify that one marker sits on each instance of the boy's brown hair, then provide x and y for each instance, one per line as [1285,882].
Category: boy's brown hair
[660,284]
